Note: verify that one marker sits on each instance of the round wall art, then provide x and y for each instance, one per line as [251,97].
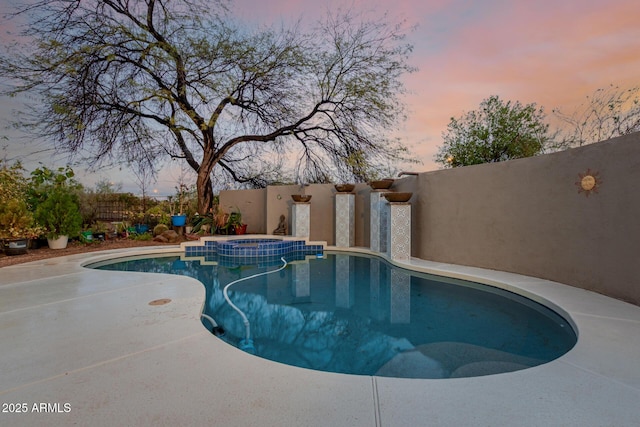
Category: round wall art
[589,182]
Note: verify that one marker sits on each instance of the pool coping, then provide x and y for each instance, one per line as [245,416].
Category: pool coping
[138,363]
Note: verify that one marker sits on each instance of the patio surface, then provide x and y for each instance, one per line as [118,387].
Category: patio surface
[88,346]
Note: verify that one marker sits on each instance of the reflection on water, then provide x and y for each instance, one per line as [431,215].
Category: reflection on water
[355,314]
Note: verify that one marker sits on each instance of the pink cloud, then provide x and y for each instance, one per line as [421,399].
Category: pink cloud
[550,53]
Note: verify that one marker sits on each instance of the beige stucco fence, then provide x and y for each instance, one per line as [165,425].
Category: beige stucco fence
[530,216]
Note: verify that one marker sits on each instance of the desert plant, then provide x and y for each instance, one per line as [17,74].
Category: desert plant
[199,221]
[235,218]
[159,229]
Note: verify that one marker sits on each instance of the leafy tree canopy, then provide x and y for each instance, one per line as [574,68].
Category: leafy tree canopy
[142,81]
[497,131]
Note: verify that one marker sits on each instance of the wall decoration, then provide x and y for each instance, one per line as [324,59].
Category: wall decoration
[589,182]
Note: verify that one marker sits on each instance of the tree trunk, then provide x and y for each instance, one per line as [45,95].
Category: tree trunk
[205,192]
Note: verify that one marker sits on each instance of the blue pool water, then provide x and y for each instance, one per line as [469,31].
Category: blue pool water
[359,315]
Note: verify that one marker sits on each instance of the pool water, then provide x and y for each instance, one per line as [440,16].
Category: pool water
[359,315]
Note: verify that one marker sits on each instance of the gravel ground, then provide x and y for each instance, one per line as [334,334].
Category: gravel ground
[75,248]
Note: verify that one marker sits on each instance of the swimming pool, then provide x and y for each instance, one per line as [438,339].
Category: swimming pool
[359,315]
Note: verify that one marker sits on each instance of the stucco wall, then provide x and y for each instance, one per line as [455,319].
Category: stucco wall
[526,216]
[251,203]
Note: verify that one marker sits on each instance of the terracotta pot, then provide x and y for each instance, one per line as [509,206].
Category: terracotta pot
[398,197]
[241,229]
[344,188]
[300,198]
[383,184]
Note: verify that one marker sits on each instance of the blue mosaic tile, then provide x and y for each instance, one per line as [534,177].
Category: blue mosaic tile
[261,251]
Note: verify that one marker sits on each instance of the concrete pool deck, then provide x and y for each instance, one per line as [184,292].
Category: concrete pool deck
[88,346]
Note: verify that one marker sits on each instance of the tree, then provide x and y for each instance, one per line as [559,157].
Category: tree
[141,81]
[608,113]
[497,131]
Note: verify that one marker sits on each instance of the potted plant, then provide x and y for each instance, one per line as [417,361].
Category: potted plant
[178,216]
[235,222]
[158,214]
[141,223]
[17,227]
[60,215]
[55,197]
[221,221]
[202,223]
[86,236]
[99,231]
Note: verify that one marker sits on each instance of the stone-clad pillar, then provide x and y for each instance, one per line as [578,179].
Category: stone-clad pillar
[300,219]
[378,221]
[399,231]
[345,219]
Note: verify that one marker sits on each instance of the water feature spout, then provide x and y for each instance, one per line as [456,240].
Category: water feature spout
[407,173]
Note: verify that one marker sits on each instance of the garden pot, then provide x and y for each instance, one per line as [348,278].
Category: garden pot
[38,243]
[301,198]
[344,188]
[15,246]
[178,220]
[382,184]
[398,197]
[59,243]
[142,228]
[241,229]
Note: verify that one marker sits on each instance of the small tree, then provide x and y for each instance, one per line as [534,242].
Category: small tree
[608,113]
[497,131]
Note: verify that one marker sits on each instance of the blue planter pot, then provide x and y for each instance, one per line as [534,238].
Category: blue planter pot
[178,220]
[142,228]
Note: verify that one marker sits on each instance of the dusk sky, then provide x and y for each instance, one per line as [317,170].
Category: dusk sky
[554,53]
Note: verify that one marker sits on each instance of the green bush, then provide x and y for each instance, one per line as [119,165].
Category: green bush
[55,196]
[59,214]
[142,237]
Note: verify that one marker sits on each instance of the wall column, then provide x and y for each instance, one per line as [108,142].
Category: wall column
[399,231]
[378,221]
[345,219]
[300,219]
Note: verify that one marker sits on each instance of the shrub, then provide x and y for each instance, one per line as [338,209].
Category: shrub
[59,214]
[159,229]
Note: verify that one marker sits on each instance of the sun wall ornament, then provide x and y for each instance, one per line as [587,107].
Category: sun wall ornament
[589,182]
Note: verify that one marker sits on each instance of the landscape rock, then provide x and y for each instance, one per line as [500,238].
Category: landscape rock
[171,236]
